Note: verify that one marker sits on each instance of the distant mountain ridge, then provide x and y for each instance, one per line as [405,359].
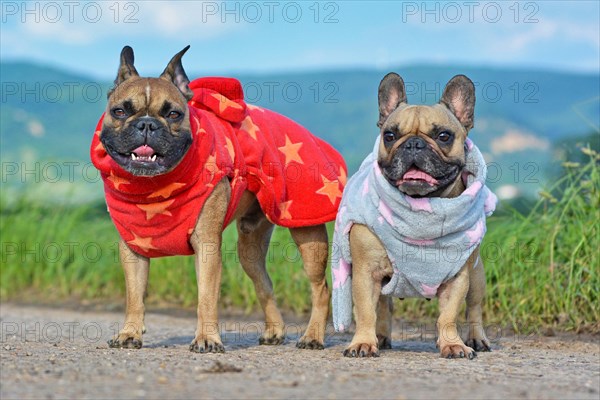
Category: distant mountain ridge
[48,113]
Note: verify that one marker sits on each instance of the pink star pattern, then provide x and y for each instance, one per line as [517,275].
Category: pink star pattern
[429,291]
[340,216]
[365,187]
[476,233]
[473,189]
[340,274]
[386,213]
[469,143]
[347,228]
[490,203]
[377,169]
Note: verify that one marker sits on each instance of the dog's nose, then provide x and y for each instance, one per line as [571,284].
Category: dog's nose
[415,144]
[146,124]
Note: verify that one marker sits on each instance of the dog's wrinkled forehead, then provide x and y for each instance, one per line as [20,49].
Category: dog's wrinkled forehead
[417,119]
[147,93]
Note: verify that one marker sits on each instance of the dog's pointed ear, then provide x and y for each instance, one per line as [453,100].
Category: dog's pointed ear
[176,74]
[459,97]
[391,94]
[126,68]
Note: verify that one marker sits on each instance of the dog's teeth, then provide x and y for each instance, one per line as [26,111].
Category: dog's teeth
[133,156]
[153,158]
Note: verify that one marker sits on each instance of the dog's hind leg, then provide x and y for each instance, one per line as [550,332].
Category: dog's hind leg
[136,268]
[477,338]
[385,309]
[313,246]
[254,234]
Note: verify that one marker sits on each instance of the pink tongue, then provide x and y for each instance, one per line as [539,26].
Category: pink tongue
[144,151]
[416,174]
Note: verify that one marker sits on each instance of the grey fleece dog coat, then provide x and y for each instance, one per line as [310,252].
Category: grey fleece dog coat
[427,240]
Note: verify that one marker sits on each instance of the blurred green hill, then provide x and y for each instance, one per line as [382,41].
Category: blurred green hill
[522,116]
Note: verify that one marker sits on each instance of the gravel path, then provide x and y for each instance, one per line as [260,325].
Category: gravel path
[56,353]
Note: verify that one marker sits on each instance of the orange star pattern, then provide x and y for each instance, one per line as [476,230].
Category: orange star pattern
[343,177]
[99,147]
[284,209]
[249,126]
[211,166]
[330,189]
[224,102]
[97,132]
[116,180]
[230,148]
[153,209]
[197,121]
[144,243]
[167,190]
[290,150]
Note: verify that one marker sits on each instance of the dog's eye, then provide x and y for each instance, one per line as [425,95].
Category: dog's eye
[174,115]
[389,137]
[444,136]
[118,113]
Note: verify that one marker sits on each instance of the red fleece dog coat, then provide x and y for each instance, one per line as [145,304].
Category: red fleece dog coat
[297,178]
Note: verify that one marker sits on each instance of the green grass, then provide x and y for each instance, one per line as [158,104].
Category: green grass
[542,268]
[64,252]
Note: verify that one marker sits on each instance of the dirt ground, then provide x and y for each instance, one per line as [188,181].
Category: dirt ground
[54,353]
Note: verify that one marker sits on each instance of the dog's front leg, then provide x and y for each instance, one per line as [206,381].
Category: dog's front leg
[208,276]
[136,268]
[206,241]
[477,338]
[370,265]
[451,296]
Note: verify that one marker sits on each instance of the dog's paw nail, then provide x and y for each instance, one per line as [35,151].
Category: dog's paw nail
[472,355]
[461,354]
[376,354]
[310,345]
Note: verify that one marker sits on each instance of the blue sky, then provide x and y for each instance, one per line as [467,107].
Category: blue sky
[272,36]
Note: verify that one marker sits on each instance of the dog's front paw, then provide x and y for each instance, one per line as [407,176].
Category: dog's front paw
[362,350]
[126,341]
[384,342]
[456,350]
[479,344]
[313,338]
[271,339]
[310,343]
[204,344]
[273,335]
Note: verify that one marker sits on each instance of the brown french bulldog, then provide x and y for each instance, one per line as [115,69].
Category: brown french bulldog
[396,207]
[146,130]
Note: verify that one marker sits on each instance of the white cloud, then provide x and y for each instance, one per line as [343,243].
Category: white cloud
[521,41]
[128,19]
[515,140]
[548,30]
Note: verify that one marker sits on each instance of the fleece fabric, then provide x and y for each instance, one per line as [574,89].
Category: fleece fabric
[297,178]
[427,240]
